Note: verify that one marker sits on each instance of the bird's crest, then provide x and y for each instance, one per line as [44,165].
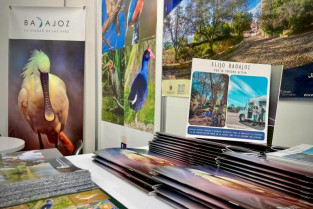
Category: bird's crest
[37,60]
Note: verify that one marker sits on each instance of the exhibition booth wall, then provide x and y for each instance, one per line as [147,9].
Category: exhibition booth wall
[294,116]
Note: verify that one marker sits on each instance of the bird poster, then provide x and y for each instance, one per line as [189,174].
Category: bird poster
[128,65]
[128,86]
[127,22]
[46,77]
[229,100]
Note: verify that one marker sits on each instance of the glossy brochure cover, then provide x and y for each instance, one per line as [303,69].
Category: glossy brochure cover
[228,187]
[181,199]
[264,176]
[192,193]
[90,199]
[298,174]
[123,176]
[229,101]
[136,176]
[300,155]
[139,160]
[304,195]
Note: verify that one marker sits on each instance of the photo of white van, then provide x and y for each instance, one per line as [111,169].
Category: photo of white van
[246,112]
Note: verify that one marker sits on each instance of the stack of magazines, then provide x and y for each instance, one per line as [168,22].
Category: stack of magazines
[33,175]
[134,165]
[210,187]
[195,151]
[288,179]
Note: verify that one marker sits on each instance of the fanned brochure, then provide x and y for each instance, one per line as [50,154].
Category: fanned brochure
[225,186]
[127,176]
[138,160]
[229,101]
[302,175]
[286,178]
[134,165]
[93,199]
[300,155]
[27,176]
[199,196]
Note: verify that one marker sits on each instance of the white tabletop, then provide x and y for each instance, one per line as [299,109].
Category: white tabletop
[127,194]
[10,144]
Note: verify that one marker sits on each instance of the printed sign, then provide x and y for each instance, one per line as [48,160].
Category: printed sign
[46,77]
[229,100]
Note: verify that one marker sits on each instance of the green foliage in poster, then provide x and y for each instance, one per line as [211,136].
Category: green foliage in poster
[292,16]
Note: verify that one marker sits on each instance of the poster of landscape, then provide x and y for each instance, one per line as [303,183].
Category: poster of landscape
[276,32]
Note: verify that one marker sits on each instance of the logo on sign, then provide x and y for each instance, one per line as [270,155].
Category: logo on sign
[181,89]
[47,23]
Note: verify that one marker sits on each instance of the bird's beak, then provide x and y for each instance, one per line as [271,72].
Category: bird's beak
[152,55]
[49,114]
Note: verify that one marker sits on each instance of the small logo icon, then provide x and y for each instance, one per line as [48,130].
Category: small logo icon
[181,88]
[40,25]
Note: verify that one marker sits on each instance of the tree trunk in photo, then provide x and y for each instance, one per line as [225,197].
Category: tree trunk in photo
[224,98]
[214,94]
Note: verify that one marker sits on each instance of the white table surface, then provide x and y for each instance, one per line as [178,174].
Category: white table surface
[10,144]
[127,194]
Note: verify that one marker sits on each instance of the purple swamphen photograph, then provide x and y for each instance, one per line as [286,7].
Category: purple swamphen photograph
[139,88]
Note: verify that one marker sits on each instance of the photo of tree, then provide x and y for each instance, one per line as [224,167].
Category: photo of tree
[246,105]
[206,29]
[276,32]
[208,99]
[285,38]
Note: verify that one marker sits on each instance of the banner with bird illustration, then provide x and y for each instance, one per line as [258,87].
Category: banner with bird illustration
[128,65]
[46,77]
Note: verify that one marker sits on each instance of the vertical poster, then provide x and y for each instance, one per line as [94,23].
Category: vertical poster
[128,63]
[252,31]
[218,88]
[46,77]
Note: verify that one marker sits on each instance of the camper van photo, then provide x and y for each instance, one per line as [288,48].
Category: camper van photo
[246,113]
[247,102]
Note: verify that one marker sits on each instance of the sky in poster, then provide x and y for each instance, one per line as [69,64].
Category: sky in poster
[253,3]
[242,88]
[254,6]
[116,41]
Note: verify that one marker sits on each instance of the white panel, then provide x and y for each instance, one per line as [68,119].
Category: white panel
[158,66]
[114,134]
[294,123]
[90,72]
[176,115]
